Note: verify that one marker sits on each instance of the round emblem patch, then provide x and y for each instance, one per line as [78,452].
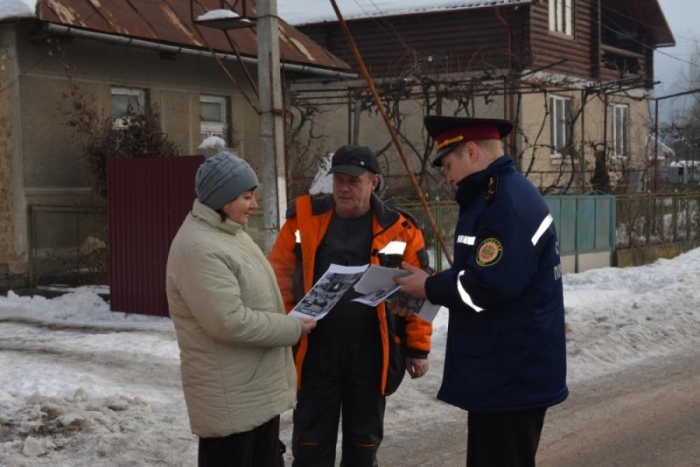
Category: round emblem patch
[489,252]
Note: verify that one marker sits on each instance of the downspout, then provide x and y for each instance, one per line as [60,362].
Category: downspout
[100,36]
[584,97]
[509,113]
[605,126]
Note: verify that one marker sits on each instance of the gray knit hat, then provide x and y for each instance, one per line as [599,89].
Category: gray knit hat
[222,178]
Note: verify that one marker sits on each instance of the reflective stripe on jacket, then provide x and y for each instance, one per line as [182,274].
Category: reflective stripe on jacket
[308,222]
[506,346]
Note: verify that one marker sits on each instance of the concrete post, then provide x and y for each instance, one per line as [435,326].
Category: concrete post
[274,196]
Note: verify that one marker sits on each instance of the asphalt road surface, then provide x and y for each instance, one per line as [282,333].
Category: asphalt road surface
[645,416]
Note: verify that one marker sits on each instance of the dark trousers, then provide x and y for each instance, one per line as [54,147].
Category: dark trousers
[259,447]
[339,379]
[504,439]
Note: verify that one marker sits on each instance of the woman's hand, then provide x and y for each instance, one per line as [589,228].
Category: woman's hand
[306,326]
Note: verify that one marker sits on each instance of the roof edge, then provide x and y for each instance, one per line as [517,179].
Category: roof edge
[486,4]
[176,49]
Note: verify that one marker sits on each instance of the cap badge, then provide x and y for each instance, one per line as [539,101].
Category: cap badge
[447,142]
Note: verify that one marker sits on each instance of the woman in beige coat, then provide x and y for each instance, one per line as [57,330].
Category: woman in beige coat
[234,336]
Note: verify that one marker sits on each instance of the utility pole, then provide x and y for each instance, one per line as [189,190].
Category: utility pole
[271,121]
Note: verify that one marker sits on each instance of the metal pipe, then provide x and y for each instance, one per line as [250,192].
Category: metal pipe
[656,142]
[69,30]
[31,266]
[511,103]
[584,95]
[605,128]
[375,95]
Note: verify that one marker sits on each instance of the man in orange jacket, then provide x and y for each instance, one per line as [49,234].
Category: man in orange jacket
[358,354]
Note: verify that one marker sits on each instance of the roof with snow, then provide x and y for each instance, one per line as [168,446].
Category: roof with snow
[298,12]
[170,22]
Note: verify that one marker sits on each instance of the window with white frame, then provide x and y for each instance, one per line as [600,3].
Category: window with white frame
[213,111]
[620,130]
[560,123]
[126,101]
[561,16]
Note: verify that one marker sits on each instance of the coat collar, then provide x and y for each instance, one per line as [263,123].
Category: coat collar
[385,215]
[473,185]
[208,216]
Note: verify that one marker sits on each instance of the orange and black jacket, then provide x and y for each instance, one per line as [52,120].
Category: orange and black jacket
[294,252]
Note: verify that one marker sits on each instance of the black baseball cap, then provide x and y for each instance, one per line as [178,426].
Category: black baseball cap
[354,161]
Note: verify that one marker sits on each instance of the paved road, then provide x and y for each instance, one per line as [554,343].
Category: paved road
[646,416]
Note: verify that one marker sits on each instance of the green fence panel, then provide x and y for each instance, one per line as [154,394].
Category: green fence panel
[584,223]
[605,223]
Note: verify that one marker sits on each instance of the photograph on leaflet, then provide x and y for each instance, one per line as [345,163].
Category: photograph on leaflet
[327,291]
[375,283]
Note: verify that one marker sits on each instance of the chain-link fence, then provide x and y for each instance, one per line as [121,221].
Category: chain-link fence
[67,245]
[647,219]
[445,215]
[641,219]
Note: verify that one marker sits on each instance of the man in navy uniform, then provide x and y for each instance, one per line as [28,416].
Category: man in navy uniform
[505,359]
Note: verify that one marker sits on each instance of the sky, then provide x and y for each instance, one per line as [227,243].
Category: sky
[86,387]
[673,64]
[17,8]
[673,61]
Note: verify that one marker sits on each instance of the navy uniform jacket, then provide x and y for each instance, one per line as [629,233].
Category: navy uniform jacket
[506,346]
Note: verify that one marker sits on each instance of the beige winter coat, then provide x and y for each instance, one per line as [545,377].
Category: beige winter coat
[232,330]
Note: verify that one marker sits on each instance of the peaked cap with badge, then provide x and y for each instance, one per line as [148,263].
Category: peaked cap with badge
[503,289]
[450,132]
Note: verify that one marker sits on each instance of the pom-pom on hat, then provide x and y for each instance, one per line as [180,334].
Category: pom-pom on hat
[222,178]
[450,132]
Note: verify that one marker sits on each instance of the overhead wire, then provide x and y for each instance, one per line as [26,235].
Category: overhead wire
[647,26]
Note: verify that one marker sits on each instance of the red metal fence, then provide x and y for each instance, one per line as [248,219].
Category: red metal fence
[148,200]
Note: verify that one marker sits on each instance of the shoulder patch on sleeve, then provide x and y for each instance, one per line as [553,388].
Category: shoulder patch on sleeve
[489,252]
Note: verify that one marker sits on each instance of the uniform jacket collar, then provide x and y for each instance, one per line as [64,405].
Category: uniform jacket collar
[473,185]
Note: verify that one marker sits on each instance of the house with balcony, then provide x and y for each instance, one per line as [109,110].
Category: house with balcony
[574,75]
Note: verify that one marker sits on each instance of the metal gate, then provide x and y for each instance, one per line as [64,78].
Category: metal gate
[586,230]
[148,200]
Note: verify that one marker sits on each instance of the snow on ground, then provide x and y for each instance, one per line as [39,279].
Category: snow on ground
[84,386]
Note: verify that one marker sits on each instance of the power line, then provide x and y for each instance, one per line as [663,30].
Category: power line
[649,46]
[642,23]
[645,25]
